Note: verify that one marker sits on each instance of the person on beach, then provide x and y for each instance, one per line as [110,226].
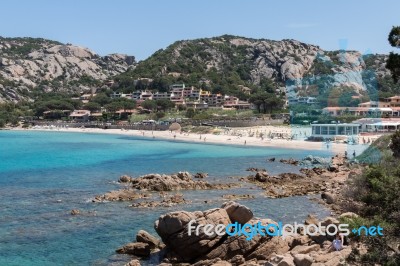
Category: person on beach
[174,136]
[354,154]
[345,154]
[245,142]
[337,243]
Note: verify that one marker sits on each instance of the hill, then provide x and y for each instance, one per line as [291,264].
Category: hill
[33,65]
[223,63]
[226,64]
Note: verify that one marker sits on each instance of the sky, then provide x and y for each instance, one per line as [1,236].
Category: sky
[141,27]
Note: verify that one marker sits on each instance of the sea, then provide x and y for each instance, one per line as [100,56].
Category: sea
[44,175]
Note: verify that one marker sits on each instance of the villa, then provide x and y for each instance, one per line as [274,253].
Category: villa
[80,115]
[385,107]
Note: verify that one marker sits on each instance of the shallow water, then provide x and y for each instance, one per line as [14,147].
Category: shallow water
[43,175]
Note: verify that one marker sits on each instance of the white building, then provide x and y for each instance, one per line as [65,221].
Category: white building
[334,130]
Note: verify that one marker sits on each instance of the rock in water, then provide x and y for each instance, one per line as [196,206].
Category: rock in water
[328,197]
[137,249]
[75,212]
[125,179]
[144,237]
[200,175]
[237,212]
[133,263]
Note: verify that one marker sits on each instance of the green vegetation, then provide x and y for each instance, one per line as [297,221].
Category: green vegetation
[54,101]
[393,62]
[377,192]
[10,113]
[395,144]
[23,46]
[266,102]
[187,61]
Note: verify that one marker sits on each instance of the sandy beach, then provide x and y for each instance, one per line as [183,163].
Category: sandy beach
[236,136]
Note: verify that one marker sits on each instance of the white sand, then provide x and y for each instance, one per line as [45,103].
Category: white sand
[229,138]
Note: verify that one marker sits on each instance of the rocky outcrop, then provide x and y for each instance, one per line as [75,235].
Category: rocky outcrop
[184,245]
[137,249]
[125,194]
[144,237]
[179,181]
[237,212]
[134,189]
[27,63]
[326,179]
[173,230]
[328,197]
[167,201]
[237,196]
[289,161]
[133,263]
[314,161]
[200,175]
[145,245]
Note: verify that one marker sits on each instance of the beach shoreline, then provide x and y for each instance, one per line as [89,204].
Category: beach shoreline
[250,141]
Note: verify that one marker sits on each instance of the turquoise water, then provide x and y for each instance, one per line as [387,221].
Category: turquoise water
[43,175]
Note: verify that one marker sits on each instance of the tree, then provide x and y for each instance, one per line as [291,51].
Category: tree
[101,98]
[149,104]
[113,107]
[395,144]
[125,103]
[92,106]
[164,104]
[268,101]
[258,100]
[393,62]
[190,113]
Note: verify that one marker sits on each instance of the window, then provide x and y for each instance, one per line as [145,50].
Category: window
[332,130]
[324,130]
[341,131]
[316,130]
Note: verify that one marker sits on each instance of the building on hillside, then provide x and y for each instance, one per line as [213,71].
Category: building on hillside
[136,95]
[370,104]
[302,100]
[393,101]
[161,95]
[213,100]
[87,96]
[231,102]
[363,111]
[96,116]
[56,114]
[146,95]
[116,95]
[196,105]
[178,87]
[80,115]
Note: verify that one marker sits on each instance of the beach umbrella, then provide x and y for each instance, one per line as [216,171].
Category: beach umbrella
[175,127]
